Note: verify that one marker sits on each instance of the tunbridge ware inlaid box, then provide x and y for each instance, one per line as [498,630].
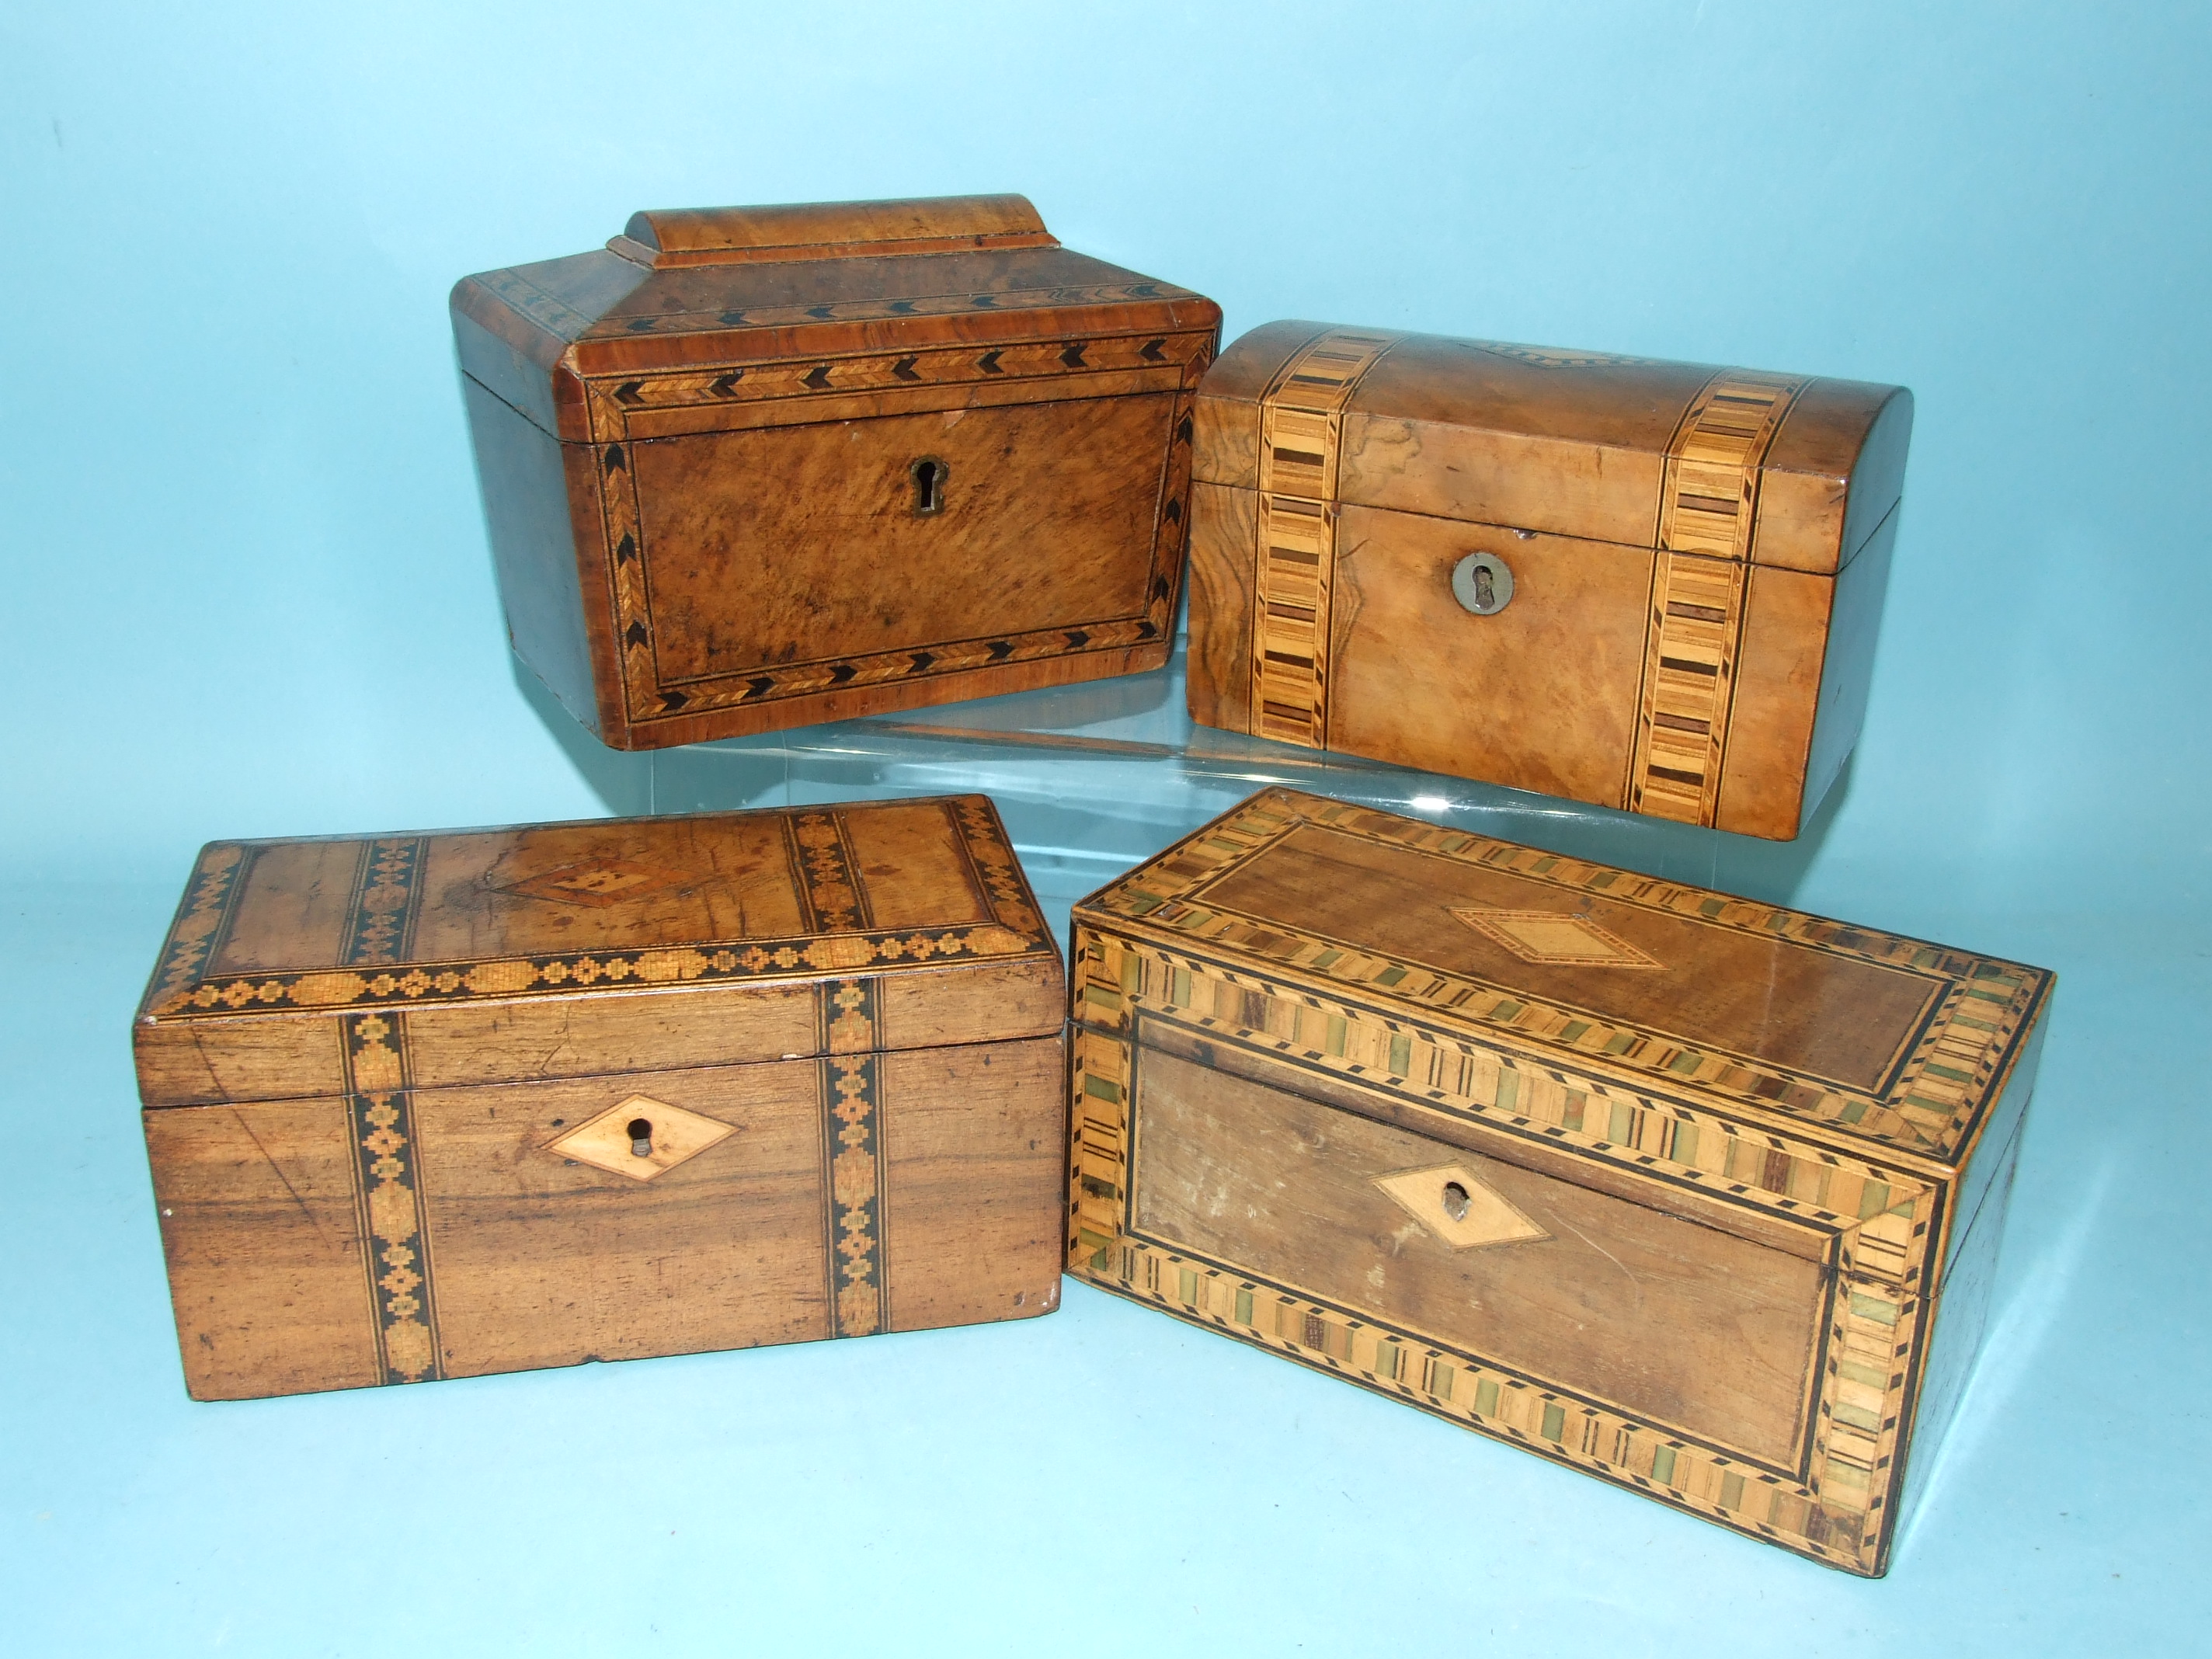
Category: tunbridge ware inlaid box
[1695,1194]
[1645,585]
[747,468]
[427,1106]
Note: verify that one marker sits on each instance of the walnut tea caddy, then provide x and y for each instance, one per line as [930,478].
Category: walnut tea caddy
[431,1106]
[1644,584]
[750,468]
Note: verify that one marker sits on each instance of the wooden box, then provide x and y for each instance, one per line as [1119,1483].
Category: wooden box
[747,468]
[1694,1194]
[428,1106]
[1649,585]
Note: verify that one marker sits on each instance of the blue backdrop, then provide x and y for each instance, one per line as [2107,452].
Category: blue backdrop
[247,594]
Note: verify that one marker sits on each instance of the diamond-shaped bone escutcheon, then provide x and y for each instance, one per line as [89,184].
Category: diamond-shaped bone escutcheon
[673,1136]
[1451,1201]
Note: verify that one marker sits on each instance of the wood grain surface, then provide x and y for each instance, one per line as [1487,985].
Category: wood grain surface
[1731,1154]
[739,417]
[536,1261]
[1676,534]
[373,1068]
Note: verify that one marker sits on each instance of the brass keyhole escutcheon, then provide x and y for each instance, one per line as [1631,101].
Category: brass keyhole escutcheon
[1482,583]
[1456,1200]
[928,475]
[640,1137]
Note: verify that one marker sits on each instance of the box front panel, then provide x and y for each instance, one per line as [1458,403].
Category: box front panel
[1275,1163]
[792,540]
[1683,1325]
[401,1233]
[1541,696]
[539,1257]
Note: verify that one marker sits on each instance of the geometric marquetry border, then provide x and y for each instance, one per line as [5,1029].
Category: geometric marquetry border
[841,938]
[1885,1216]
[1838,1510]
[1075,366]
[1946,1076]
[1301,434]
[1708,506]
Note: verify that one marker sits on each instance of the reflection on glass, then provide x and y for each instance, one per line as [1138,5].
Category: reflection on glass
[1095,778]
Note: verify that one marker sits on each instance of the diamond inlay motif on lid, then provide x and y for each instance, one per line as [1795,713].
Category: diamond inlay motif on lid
[1548,935]
[595,882]
[671,1136]
[1451,1201]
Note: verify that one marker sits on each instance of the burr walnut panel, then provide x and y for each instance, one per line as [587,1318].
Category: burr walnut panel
[783,546]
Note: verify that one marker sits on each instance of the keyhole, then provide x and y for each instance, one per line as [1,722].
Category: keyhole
[1485,596]
[641,1136]
[1454,1201]
[928,475]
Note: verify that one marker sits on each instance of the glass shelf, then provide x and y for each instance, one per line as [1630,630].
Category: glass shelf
[1092,779]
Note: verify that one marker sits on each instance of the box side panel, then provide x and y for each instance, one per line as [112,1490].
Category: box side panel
[974,1146]
[1878,479]
[1960,1320]
[1835,470]
[1226,434]
[1543,695]
[1998,1127]
[953,1006]
[1227,417]
[1222,562]
[520,376]
[521,1226]
[522,473]
[1848,673]
[261,1225]
[1770,713]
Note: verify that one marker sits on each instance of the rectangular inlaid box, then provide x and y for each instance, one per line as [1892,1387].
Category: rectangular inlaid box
[429,1106]
[1697,1194]
[1644,584]
[748,468]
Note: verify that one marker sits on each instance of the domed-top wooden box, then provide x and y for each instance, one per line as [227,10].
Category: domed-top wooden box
[1645,585]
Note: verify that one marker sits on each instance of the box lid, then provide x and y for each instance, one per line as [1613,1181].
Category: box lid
[1845,1035]
[1783,470]
[716,920]
[812,285]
